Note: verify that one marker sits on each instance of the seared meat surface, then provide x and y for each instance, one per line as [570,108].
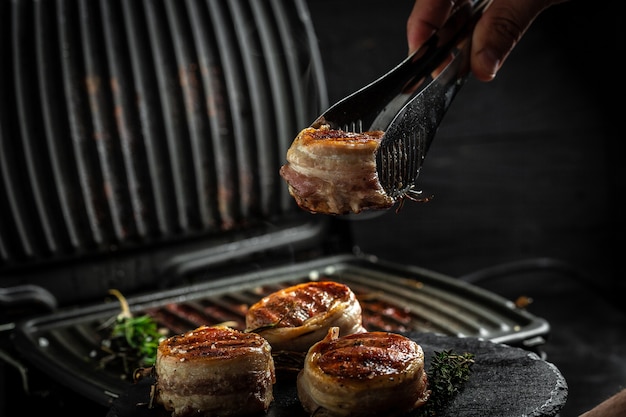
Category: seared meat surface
[334,172]
[214,371]
[361,375]
[294,318]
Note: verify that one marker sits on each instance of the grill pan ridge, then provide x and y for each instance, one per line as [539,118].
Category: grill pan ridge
[133,133]
[129,123]
[394,298]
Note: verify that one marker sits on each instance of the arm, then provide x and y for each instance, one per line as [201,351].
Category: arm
[497,32]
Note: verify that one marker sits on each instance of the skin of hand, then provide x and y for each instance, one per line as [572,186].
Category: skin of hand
[497,32]
[612,407]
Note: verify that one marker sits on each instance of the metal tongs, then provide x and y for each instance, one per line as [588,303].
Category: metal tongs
[409,102]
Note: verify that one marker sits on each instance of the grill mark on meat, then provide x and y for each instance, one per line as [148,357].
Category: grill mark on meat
[363,375]
[366,355]
[294,318]
[293,306]
[211,342]
[214,371]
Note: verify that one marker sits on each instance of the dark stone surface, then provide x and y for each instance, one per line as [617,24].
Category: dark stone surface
[504,381]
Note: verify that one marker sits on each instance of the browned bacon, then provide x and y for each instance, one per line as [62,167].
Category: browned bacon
[334,172]
[214,371]
[362,375]
[294,318]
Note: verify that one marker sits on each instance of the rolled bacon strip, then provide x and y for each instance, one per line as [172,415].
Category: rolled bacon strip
[362,375]
[330,171]
[294,318]
[214,371]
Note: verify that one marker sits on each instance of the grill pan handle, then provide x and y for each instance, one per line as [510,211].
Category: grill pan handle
[26,299]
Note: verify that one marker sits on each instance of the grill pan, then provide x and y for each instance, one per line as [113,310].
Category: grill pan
[140,143]
[394,298]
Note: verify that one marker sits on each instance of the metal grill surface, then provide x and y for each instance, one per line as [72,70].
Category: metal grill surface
[394,298]
[125,123]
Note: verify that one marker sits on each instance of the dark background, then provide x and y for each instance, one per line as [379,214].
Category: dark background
[525,172]
[526,177]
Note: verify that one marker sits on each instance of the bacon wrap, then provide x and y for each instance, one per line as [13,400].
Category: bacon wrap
[294,318]
[362,375]
[214,371]
[334,172]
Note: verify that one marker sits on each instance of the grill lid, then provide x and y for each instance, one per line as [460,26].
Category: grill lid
[394,298]
[134,131]
[126,124]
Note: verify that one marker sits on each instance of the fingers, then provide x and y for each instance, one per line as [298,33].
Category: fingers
[499,30]
[426,17]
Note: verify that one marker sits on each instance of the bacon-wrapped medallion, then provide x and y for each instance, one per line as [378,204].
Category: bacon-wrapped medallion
[294,318]
[362,375]
[214,371]
[334,172]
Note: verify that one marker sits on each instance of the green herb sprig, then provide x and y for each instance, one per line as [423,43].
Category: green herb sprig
[133,340]
[448,373]
[141,334]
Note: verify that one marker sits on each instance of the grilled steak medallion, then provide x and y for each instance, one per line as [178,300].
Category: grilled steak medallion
[214,371]
[334,172]
[294,318]
[362,375]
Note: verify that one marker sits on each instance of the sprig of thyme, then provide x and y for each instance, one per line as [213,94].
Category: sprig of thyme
[448,373]
[141,334]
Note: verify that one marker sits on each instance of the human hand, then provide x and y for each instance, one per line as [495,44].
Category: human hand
[614,406]
[497,32]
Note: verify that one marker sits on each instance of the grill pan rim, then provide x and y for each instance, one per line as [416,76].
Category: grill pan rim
[76,373]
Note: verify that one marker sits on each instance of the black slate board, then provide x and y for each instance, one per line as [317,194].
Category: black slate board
[505,382]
